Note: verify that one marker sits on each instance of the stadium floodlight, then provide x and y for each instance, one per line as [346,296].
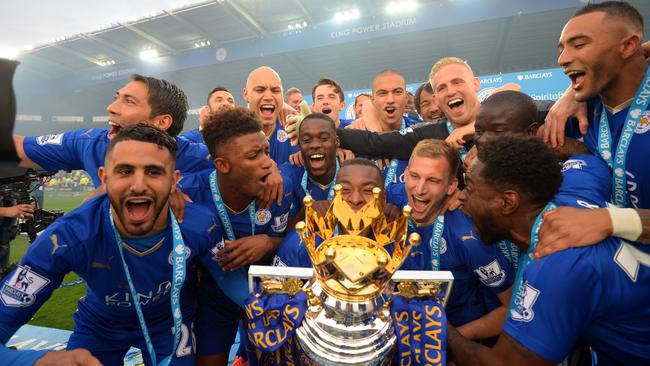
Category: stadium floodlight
[403,6]
[149,54]
[346,15]
[9,53]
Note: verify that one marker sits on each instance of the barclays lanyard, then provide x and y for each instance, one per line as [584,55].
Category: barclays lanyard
[221,209]
[463,150]
[330,193]
[178,277]
[392,168]
[436,238]
[511,252]
[525,259]
[617,162]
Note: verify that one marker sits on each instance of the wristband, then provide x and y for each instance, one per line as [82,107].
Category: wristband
[626,223]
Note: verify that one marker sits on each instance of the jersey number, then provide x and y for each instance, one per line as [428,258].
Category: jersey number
[630,258]
[183,348]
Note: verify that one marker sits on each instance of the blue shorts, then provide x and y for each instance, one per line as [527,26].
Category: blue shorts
[110,351]
[216,321]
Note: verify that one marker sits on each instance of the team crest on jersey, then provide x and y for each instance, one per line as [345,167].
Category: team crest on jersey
[280,223]
[217,248]
[262,217]
[644,123]
[573,164]
[50,139]
[21,288]
[282,135]
[178,249]
[526,297]
[277,262]
[491,275]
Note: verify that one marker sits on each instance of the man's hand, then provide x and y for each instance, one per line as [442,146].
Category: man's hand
[568,227]
[293,122]
[469,158]
[245,251]
[204,114]
[273,189]
[287,111]
[460,136]
[20,211]
[344,154]
[566,107]
[296,159]
[453,202]
[177,203]
[76,357]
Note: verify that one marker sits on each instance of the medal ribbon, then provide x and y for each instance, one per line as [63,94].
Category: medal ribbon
[434,242]
[525,259]
[178,277]
[392,168]
[221,209]
[330,193]
[463,150]
[618,162]
[511,251]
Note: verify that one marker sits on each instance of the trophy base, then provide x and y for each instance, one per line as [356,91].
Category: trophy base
[327,340]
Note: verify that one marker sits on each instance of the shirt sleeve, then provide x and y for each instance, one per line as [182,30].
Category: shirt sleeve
[62,151]
[292,252]
[390,144]
[40,272]
[556,300]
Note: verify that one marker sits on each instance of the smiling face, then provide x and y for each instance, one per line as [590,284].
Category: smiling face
[480,203]
[429,107]
[389,97]
[455,90]
[130,107]
[318,142]
[590,53]
[294,101]
[359,104]
[139,177]
[245,162]
[219,100]
[263,93]
[428,182]
[357,182]
[327,101]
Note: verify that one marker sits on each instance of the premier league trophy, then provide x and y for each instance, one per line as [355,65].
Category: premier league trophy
[355,307]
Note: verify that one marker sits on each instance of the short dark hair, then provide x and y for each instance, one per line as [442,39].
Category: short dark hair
[144,133]
[328,81]
[520,106]
[165,98]
[425,86]
[226,124]
[523,163]
[432,149]
[617,9]
[361,162]
[218,89]
[356,99]
[290,91]
[387,72]
[318,115]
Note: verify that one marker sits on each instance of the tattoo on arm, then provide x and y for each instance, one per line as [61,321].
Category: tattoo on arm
[645,221]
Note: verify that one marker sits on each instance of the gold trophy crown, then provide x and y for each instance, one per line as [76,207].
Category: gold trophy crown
[355,265]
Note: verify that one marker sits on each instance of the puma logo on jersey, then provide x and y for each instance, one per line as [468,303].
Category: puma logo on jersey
[55,243]
[467,237]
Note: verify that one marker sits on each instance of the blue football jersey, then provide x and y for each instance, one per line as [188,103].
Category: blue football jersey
[637,172]
[599,294]
[85,149]
[586,182]
[83,242]
[480,271]
[193,136]
[343,123]
[280,145]
[294,175]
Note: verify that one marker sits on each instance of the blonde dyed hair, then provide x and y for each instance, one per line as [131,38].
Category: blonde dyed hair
[447,61]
